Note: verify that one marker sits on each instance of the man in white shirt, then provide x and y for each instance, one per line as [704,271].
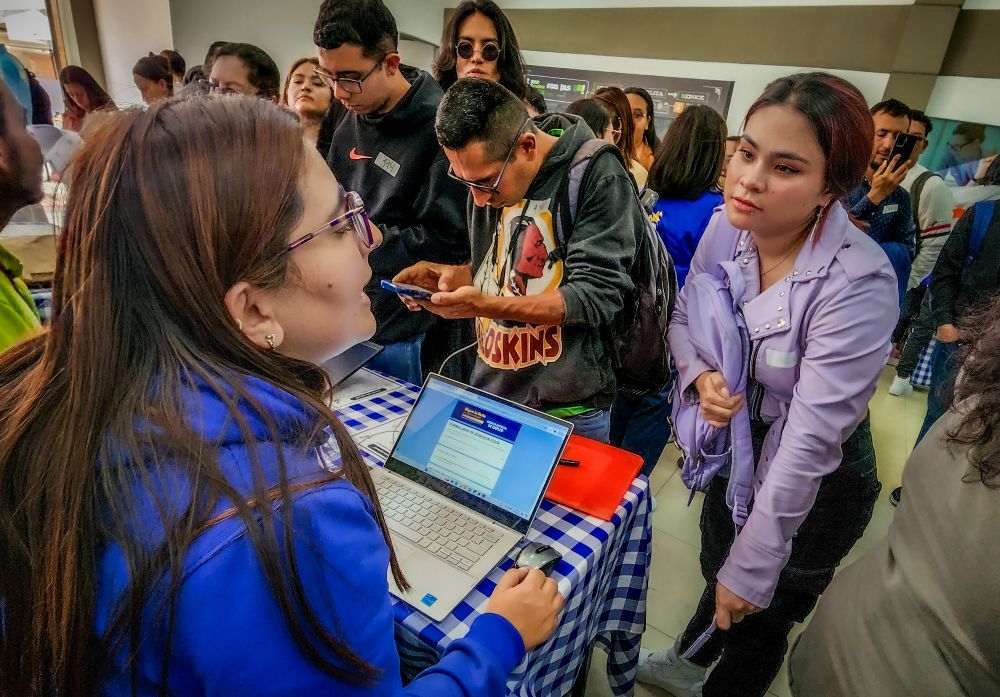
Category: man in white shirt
[932,205]
[932,213]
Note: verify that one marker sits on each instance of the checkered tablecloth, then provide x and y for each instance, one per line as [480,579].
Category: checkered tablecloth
[602,574]
[922,373]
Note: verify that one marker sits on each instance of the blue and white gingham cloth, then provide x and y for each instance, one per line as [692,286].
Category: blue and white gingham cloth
[922,373]
[603,569]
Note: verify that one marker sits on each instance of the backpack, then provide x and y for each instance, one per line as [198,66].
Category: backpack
[636,339]
[982,215]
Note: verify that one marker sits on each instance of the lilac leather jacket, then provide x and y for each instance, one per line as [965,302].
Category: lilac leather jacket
[820,337]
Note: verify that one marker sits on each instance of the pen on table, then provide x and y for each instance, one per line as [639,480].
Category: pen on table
[569,463]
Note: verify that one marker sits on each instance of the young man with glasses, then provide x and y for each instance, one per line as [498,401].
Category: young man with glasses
[542,299]
[383,146]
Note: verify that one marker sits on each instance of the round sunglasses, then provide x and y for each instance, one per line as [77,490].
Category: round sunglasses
[490,52]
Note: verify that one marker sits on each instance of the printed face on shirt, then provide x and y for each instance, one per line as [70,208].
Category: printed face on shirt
[776,180]
[887,127]
[477,30]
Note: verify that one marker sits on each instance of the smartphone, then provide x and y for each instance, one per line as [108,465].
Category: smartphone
[407,290]
[905,142]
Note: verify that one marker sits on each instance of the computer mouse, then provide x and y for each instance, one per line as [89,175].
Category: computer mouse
[538,555]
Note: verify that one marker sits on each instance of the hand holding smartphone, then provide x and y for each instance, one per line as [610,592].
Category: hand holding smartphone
[406,290]
[903,147]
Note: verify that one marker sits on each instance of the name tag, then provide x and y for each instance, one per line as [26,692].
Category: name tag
[891,208]
[781,359]
[388,164]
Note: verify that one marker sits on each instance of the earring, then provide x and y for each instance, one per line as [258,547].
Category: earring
[270,341]
[239,324]
[819,217]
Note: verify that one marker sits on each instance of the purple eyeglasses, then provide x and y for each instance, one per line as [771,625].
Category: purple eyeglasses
[356,215]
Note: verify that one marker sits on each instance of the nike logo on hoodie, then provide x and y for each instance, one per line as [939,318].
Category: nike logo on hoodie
[355,156]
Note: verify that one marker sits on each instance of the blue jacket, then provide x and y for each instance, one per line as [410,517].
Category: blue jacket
[680,223]
[231,638]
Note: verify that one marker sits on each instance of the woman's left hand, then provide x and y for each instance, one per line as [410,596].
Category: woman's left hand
[730,608]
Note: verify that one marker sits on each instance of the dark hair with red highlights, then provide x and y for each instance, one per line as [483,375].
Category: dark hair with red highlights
[839,116]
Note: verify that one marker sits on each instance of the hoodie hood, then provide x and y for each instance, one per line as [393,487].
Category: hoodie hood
[575,133]
[419,104]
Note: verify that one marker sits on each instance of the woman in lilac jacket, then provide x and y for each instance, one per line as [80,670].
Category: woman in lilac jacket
[820,305]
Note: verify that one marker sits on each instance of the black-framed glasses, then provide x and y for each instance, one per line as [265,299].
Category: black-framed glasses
[351,85]
[356,215]
[495,188]
[490,51]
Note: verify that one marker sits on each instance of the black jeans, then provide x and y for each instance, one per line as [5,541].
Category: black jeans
[921,330]
[750,654]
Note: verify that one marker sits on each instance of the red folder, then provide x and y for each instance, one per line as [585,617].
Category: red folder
[598,485]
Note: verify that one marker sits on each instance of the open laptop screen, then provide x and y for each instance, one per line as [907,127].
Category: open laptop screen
[484,452]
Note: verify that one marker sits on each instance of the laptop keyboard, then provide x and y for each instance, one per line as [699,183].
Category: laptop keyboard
[445,532]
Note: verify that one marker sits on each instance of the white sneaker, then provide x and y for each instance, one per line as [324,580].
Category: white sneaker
[666,669]
[900,387]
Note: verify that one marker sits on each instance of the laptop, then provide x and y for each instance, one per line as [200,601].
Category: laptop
[346,364]
[461,486]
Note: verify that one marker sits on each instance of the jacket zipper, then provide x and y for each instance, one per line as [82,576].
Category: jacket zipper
[757,395]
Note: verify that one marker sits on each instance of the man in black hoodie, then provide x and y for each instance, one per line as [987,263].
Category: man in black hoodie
[540,302]
[384,147]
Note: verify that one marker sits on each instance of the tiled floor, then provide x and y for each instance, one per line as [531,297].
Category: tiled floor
[675,581]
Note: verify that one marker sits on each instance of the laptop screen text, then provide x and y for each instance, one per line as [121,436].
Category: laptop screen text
[499,454]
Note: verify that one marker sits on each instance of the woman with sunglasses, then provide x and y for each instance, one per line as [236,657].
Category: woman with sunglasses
[478,41]
[175,515]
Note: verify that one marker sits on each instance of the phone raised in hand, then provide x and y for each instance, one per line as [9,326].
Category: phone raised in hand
[406,290]
[905,142]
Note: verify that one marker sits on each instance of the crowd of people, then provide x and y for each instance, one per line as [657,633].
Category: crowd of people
[169,522]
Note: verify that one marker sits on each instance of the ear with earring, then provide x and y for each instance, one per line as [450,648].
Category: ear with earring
[820,210]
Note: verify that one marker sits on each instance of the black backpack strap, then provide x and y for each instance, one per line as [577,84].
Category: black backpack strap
[915,191]
[567,200]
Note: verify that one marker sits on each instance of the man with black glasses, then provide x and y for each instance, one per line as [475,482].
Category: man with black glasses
[383,146]
[546,281]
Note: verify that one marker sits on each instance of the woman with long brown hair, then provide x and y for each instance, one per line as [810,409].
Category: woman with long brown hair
[169,523]
[623,128]
[82,96]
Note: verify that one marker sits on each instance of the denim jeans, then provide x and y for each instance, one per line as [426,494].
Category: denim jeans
[639,425]
[751,652]
[401,360]
[944,369]
[595,425]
